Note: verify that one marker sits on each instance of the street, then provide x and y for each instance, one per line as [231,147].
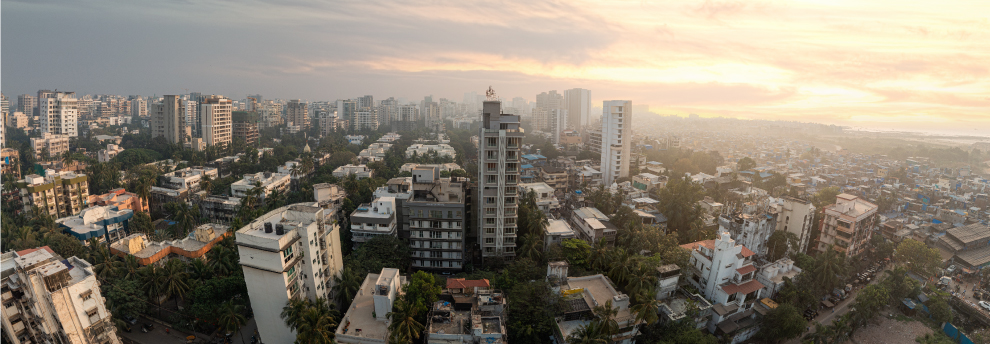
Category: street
[158,335]
[826,317]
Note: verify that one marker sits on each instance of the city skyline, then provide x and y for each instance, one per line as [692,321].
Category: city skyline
[882,65]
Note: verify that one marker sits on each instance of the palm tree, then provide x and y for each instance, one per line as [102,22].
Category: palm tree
[404,326]
[144,188]
[223,260]
[605,317]
[646,311]
[589,334]
[206,184]
[640,281]
[624,264]
[67,159]
[174,279]
[231,317]
[347,285]
[103,261]
[293,311]
[830,264]
[186,218]
[24,237]
[599,256]
[316,323]
[199,271]
[129,267]
[150,281]
[532,247]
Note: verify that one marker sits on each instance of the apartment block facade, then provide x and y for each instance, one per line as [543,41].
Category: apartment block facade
[215,125]
[168,119]
[58,113]
[56,194]
[616,139]
[498,178]
[848,225]
[437,220]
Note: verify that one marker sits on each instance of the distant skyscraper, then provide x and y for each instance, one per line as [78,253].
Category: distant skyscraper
[578,105]
[498,179]
[546,102]
[558,123]
[297,114]
[430,111]
[616,137]
[58,112]
[139,107]
[215,120]
[366,102]
[168,119]
[27,104]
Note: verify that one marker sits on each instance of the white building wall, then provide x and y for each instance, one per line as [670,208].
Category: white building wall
[616,139]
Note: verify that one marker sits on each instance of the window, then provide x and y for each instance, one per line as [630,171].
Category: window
[86,295]
[458,214]
[436,235]
[287,252]
[489,240]
[436,214]
[489,230]
[450,214]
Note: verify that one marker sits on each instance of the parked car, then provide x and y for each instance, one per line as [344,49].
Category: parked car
[147,327]
[130,320]
[985,305]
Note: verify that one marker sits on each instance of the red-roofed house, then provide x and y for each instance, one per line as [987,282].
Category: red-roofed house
[724,272]
[462,286]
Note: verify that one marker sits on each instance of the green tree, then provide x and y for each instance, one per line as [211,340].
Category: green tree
[745,164]
[348,283]
[404,327]
[173,279]
[231,317]
[830,266]
[422,291]
[779,243]
[782,323]
[918,257]
[870,301]
[939,307]
[383,251]
[125,298]
[679,204]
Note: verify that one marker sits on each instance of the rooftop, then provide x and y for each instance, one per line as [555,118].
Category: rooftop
[359,321]
[558,227]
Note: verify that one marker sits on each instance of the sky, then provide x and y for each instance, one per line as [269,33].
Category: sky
[905,65]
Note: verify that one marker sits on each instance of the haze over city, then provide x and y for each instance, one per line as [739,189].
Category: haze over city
[919,65]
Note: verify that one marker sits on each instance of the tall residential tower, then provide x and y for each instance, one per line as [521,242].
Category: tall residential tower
[616,138]
[498,179]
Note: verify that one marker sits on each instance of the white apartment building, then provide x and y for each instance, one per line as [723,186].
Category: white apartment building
[772,276]
[58,113]
[292,251]
[366,120]
[359,171]
[724,272]
[168,119]
[269,182]
[366,320]
[498,177]
[105,155]
[616,139]
[557,123]
[591,225]
[545,198]
[215,121]
[556,232]
[442,150]
[139,107]
[373,219]
[578,104]
[375,152]
[796,216]
[584,294]
[54,144]
[49,299]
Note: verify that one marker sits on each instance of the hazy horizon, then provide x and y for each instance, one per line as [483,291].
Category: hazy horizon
[884,65]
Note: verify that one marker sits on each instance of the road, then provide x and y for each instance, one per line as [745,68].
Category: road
[827,317]
[158,335]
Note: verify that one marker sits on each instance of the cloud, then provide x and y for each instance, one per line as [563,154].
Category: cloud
[831,61]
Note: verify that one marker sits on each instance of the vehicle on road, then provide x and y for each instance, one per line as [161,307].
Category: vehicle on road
[985,305]
[147,327]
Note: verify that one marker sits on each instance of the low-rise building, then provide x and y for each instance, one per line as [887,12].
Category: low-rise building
[968,246]
[218,209]
[676,303]
[448,167]
[105,155]
[50,299]
[556,232]
[772,276]
[648,181]
[53,144]
[359,171]
[103,223]
[290,252]
[373,219]
[796,216]
[374,152]
[545,198]
[592,226]
[848,225]
[119,198]
[56,194]
[366,320]
[268,182]
[389,137]
[724,273]
[195,246]
[582,295]
[354,139]
[555,177]
[419,149]
[468,312]
[10,162]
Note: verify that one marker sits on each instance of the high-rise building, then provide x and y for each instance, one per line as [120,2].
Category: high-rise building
[50,299]
[796,216]
[557,123]
[616,139]
[498,179]
[139,107]
[430,111]
[291,252]
[347,111]
[168,119]
[366,102]
[437,219]
[58,113]
[27,104]
[546,102]
[297,114]
[407,118]
[215,120]
[578,104]
[56,194]
[848,225]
